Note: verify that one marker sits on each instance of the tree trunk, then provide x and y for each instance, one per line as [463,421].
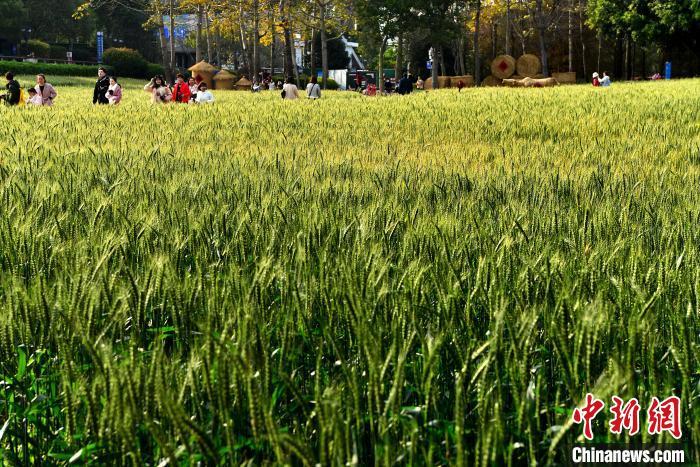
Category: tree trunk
[628,57]
[256,39]
[571,37]
[493,39]
[434,69]
[441,55]
[244,55]
[173,62]
[163,47]
[509,46]
[217,37]
[600,47]
[206,19]
[324,43]
[477,58]
[398,69]
[541,31]
[272,42]
[619,57]
[312,64]
[583,41]
[288,46]
[380,70]
[198,39]
[460,50]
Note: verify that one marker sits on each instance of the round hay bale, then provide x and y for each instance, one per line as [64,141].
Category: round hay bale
[503,66]
[468,81]
[565,78]
[491,81]
[529,65]
[443,82]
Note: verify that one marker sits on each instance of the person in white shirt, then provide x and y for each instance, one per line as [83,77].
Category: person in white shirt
[313,90]
[290,90]
[271,86]
[34,98]
[204,96]
[605,80]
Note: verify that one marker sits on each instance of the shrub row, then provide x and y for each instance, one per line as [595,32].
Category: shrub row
[57,69]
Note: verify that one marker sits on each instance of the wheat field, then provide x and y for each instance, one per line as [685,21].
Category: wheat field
[422,280]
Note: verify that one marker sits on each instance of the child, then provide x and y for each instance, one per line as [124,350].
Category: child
[203,95]
[34,97]
[114,93]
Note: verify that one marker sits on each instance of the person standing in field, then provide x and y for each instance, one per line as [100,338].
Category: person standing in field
[114,93]
[12,97]
[289,90]
[181,92]
[313,90]
[405,85]
[99,95]
[160,92]
[45,90]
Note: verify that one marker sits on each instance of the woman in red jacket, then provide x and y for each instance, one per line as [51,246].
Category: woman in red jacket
[181,91]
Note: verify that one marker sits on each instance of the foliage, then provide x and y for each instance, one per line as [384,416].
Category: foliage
[38,48]
[58,52]
[126,62]
[12,16]
[202,285]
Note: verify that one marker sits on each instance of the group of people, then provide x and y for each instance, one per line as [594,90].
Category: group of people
[181,92]
[603,81]
[42,94]
[107,89]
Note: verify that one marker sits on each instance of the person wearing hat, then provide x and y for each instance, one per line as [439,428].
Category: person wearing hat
[596,79]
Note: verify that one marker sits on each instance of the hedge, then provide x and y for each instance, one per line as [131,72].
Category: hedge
[58,69]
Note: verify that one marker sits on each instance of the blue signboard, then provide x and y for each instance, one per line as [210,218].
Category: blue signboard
[668,70]
[429,65]
[100,46]
[184,25]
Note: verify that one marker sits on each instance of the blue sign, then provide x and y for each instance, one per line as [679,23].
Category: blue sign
[429,65]
[100,46]
[668,70]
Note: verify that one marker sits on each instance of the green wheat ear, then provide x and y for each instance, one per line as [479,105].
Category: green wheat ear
[258,283]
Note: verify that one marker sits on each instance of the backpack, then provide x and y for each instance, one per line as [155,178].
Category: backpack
[22,98]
